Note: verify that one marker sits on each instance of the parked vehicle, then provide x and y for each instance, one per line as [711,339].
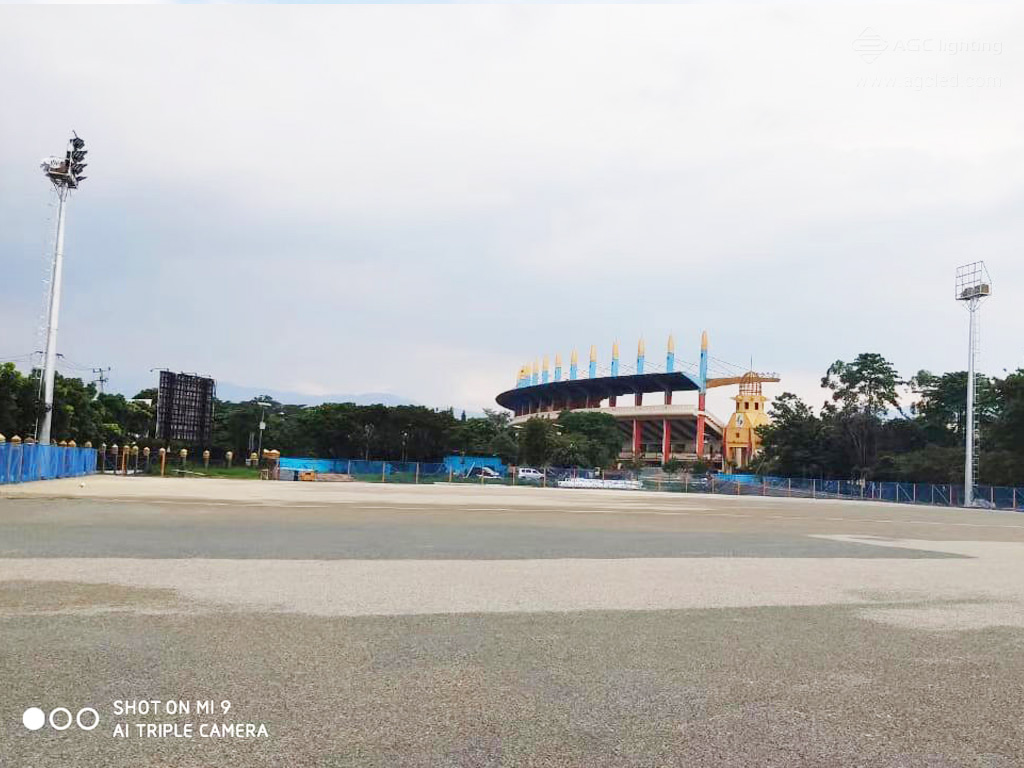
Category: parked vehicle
[529,473]
[485,473]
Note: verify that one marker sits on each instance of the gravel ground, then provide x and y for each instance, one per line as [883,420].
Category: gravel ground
[383,626]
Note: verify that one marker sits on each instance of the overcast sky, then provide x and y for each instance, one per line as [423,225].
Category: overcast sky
[418,200]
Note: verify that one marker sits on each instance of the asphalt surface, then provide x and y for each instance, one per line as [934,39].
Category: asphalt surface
[368,626]
[90,528]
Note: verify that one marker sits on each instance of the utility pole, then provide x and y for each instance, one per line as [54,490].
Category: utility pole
[263,426]
[101,379]
[65,174]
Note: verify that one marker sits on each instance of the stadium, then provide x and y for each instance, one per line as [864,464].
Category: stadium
[653,433]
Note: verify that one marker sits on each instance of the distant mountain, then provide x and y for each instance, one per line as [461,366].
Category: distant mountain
[238,393]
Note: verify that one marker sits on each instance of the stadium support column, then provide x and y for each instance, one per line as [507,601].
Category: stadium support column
[636,438]
[612,400]
[639,397]
[666,440]
[703,391]
[670,365]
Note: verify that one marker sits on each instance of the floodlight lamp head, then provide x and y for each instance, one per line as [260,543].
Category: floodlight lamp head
[972,282]
[65,173]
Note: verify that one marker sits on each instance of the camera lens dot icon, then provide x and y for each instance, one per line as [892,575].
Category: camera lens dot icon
[33,718]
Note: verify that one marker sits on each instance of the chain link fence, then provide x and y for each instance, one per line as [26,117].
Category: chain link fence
[938,494]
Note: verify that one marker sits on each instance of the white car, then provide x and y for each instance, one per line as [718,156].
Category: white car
[529,473]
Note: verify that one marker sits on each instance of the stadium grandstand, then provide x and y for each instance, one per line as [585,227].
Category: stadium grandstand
[653,432]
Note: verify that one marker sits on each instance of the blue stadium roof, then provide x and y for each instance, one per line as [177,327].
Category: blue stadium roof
[597,389]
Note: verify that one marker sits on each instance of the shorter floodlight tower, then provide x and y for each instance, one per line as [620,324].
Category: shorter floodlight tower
[972,285]
[66,174]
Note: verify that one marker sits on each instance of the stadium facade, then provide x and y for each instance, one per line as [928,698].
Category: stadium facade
[653,432]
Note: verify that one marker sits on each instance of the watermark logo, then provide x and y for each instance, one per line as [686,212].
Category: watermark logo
[930,82]
[60,719]
[869,45]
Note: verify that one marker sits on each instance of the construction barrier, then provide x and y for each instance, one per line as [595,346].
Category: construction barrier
[23,462]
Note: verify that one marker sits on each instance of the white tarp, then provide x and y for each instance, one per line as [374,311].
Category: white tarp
[587,482]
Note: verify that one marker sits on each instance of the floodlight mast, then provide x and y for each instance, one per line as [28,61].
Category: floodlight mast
[972,285]
[65,174]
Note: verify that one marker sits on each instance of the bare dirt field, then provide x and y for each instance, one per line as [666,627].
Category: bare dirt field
[380,625]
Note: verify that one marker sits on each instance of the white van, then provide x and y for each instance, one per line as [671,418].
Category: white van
[529,473]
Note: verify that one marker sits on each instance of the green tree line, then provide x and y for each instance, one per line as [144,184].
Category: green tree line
[863,431]
[330,430]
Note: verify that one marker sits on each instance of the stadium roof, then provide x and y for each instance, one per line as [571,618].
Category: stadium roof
[597,389]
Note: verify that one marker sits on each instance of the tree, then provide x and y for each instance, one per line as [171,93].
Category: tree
[536,441]
[868,385]
[795,441]
[863,393]
[941,407]
[598,437]
[672,466]
[571,450]
[505,447]
[1002,458]
[17,402]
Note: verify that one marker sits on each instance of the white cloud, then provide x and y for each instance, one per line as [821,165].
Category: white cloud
[417,198]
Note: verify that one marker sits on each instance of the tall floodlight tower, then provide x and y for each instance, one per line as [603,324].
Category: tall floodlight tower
[66,174]
[972,285]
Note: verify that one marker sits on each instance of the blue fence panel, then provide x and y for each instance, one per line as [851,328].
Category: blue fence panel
[24,462]
[461,465]
[322,466]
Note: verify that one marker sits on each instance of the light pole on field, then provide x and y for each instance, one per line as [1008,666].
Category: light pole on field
[65,173]
[972,285]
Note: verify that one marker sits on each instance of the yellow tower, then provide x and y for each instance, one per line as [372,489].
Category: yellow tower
[741,441]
